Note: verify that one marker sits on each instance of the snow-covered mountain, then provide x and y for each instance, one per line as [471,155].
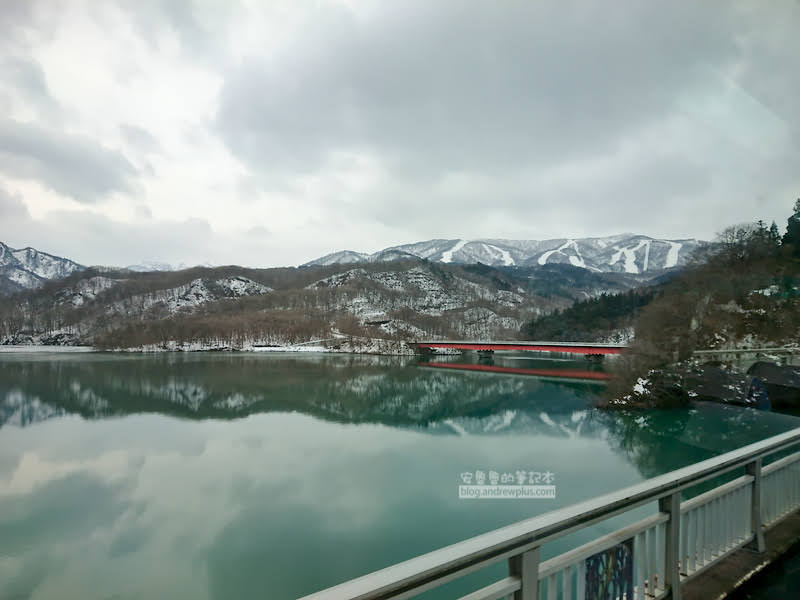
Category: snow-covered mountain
[147,266]
[150,266]
[341,258]
[29,268]
[625,253]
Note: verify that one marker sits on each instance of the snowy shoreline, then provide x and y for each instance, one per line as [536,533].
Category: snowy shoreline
[382,347]
[39,348]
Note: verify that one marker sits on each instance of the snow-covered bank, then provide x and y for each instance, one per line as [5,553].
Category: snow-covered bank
[31,348]
[342,346]
[288,349]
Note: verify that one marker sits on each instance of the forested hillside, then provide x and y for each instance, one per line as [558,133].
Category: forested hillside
[235,307]
[608,317]
[742,291]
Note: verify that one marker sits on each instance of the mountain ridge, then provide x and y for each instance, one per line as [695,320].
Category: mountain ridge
[622,253]
[28,268]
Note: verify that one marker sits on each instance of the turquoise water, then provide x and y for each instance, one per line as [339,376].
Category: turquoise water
[273,476]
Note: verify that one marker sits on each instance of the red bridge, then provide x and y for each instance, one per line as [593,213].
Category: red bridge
[586,348]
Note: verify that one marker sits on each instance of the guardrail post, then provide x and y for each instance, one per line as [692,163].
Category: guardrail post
[672,576]
[754,469]
[526,567]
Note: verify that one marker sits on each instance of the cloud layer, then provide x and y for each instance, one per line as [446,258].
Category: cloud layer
[361,124]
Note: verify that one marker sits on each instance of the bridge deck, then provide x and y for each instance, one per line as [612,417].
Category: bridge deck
[520,346]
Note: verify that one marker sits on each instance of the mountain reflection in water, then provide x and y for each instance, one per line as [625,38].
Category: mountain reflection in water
[355,389]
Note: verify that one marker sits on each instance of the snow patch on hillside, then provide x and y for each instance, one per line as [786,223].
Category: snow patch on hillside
[630,256]
[24,278]
[543,258]
[447,256]
[575,260]
[672,254]
[504,255]
[196,294]
[236,287]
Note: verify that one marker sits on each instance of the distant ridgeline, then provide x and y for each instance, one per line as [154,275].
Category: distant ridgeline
[625,253]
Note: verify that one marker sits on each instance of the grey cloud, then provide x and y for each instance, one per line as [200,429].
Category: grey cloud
[84,236]
[25,23]
[772,58]
[94,239]
[140,138]
[27,74]
[540,119]
[165,241]
[13,14]
[601,203]
[432,87]
[432,91]
[69,164]
[11,207]
[203,41]
[26,77]
[142,211]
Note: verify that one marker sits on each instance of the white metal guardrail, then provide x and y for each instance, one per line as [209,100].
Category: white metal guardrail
[666,549]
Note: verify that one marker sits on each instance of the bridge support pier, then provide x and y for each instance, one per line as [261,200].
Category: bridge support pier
[486,356]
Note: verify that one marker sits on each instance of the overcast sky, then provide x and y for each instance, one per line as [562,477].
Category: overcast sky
[269,133]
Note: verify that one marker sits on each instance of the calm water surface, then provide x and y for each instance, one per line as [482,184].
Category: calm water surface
[272,476]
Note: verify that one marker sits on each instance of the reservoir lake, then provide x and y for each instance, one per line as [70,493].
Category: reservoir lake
[270,475]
